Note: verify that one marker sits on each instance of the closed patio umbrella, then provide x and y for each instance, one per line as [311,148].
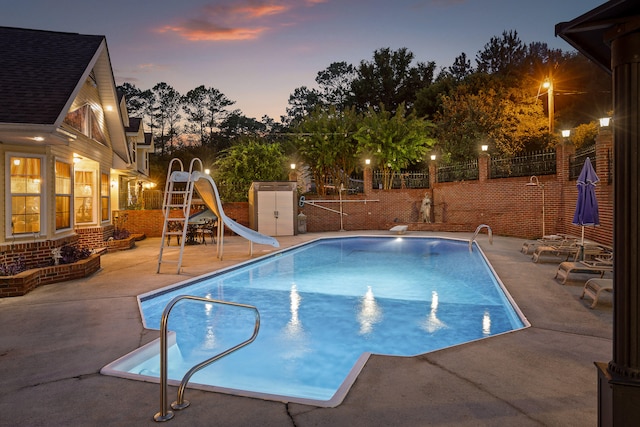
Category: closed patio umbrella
[587,205]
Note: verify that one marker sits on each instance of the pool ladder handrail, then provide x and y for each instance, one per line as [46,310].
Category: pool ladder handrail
[480,227]
[181,403]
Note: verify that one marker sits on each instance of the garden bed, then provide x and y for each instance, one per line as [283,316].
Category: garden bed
[124,244]
[28,280]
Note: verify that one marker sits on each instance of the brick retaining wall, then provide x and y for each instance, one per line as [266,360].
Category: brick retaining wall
[507,205]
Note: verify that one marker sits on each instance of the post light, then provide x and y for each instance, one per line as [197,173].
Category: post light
[535,182]
[433,157]
[548,85]
[293,166]
[566,133]
[207,171]
[604,122]
[367,162]
[484,147]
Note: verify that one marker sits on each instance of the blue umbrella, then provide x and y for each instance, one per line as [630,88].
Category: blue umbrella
[587,204]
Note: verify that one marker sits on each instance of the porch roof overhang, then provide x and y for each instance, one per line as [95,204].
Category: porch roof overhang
[591,33]
[34,135]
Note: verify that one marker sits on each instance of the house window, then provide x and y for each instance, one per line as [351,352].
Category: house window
[63,195]
[25,189]
[84,195]
[104,197]
[85,120]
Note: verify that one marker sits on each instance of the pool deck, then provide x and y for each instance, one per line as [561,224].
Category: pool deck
[55,340]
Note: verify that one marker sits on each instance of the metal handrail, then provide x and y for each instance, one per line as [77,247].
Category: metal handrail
[181,403]
[480,227]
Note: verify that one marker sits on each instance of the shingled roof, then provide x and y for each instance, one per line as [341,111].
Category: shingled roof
[39,71]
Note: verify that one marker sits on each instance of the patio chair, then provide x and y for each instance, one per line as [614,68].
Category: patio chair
[589,267]
[566,249]
[208,229]
[594,287]
[529,246]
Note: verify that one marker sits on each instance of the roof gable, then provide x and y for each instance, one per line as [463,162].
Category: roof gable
[39,72]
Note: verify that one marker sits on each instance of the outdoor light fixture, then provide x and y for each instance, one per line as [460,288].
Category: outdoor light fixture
[535,182]
[367,161]
[604,122]
[566,133]
[548,85]
[433,157]
[484,147]
[207,171]
[293,166]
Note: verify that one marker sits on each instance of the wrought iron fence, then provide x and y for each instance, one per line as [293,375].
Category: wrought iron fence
[541,162]
[404,179]
[461,171]
[577,160]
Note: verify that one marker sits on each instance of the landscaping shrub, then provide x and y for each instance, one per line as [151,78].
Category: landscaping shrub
[13,268]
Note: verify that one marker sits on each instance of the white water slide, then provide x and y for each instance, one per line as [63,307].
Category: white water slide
[208,192]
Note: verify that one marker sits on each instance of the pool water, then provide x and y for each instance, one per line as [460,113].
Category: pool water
[324,306]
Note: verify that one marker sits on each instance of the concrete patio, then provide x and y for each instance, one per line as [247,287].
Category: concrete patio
[55,340]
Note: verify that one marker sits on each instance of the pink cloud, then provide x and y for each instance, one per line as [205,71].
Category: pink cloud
[248,20]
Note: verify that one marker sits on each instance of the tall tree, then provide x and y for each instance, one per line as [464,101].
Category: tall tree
[502,55]
[390,80]
[461,68]
[193,104]
[325,144]
[507,118]
[335,84]
[169,103]
[394,140]
[247,161]
[301,103]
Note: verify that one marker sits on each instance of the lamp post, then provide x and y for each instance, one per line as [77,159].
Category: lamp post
[534,182]
[548,84]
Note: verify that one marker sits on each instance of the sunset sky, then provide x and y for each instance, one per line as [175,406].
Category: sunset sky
[257,52]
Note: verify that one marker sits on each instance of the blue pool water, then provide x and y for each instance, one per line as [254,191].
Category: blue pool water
[324,306]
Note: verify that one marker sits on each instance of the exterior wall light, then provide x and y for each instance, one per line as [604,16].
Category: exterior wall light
[604,122]
[566,133]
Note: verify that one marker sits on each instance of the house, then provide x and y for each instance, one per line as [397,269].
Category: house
[71,155]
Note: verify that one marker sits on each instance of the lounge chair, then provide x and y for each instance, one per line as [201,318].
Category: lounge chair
[589,267]
[530,246]
[594,287]
[565,249]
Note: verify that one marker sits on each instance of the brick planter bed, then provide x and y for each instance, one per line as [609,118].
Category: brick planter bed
[28,280]
[124,244]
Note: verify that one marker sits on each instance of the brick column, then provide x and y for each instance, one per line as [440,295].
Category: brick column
[483,167]
[368,181]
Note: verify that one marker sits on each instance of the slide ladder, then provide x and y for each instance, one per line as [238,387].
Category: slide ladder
[176,208]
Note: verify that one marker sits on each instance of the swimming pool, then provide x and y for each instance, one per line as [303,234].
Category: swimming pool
[324,307]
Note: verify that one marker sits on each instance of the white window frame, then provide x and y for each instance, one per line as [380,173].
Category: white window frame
[44,217]
[56,194]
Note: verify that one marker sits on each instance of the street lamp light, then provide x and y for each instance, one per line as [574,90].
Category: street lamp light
[534,182]
[548,85]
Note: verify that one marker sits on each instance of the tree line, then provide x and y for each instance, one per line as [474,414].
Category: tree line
[391,109]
